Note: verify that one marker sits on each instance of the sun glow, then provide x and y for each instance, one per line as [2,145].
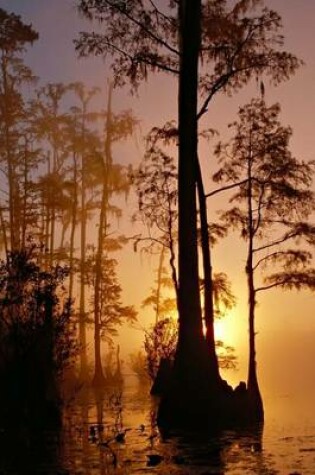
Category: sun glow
[220,329]
[227,328]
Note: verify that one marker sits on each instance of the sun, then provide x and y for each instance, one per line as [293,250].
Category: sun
[227,329]
[220,329]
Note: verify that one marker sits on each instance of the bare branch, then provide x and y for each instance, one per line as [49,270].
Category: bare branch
[225,188]
[120,8]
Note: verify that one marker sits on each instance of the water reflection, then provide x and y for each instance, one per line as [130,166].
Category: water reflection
[114,432]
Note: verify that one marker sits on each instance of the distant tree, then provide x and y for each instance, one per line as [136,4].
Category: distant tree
[51,129]
[85,144]
[112,313]
[15,36]
[113,181]
[273,201]
[155,182]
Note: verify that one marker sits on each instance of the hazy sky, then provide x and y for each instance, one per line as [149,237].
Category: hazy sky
[286,322]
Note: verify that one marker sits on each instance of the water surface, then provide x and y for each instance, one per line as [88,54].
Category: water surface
[114,432]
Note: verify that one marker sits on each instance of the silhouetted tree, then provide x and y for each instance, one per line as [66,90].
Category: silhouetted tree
[155,182]
[235,43]
[113,181]
[51,126]
[37,335]
[86,146]
[111,311]
[15,36]
[273,200]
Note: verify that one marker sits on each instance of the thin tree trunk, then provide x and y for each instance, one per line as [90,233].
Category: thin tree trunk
[159,285]
[207,274]
[23,218]
[82,316]
[172,260]
[74,213]
[9,158]
[82,312]
[64,227]
[256,404]
[98,371]
[4,232]
[46,233]
[52,232]
[47,214]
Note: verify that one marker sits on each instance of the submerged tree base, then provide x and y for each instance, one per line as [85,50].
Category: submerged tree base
[190,403]
[225,408]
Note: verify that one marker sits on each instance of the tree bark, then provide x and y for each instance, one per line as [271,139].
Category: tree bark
[74,212]
[187,401]
[207,275]
[14,241]
[106,164]
[255,399]
[159,285]
[82,315]
[190,319]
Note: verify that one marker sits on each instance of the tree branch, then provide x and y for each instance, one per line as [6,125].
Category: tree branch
[276,242]
[223,79]
[153,36]
[271,256]
[225,188]
[268,287]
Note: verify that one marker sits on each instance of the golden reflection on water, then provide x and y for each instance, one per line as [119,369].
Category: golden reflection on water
[113,432]
[119,436]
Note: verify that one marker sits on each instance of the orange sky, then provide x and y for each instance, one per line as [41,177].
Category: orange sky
[285,322]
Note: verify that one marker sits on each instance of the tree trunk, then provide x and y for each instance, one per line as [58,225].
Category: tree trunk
[25,190]
[98,374]
[14,242]
[187,401]
[74,212]
[159,285]
[207,274]
[82,310]
[255,400]
[256,404]
[3,231]
[99,378]
[190,320]
[46,197]
[82,316]
[53,208]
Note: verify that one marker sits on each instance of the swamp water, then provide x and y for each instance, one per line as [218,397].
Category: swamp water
[114,433]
